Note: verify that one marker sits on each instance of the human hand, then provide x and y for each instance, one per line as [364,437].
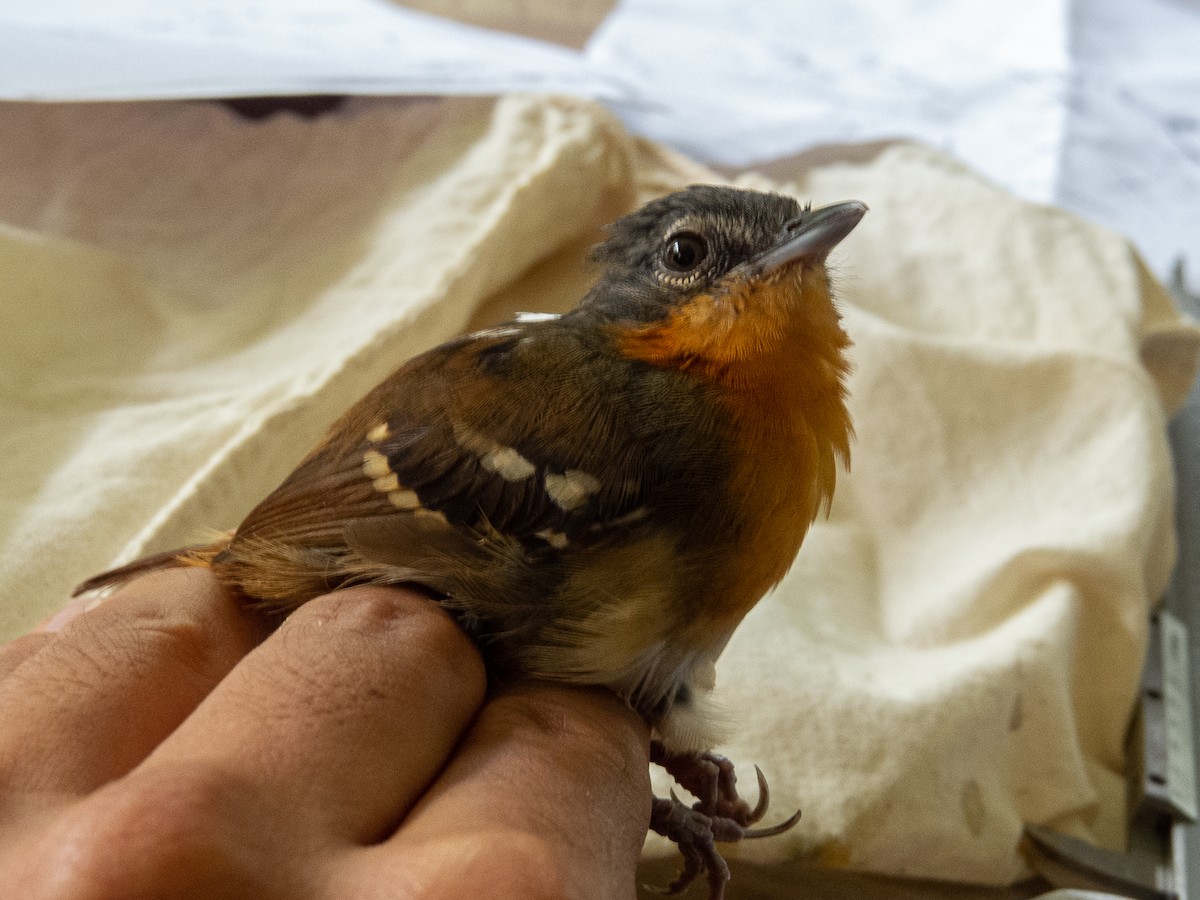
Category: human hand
[157,746]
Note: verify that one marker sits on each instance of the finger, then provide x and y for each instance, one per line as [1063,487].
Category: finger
[20,649]
[340,719]
[549,795]
[17,651]
[73,610]
[97,696]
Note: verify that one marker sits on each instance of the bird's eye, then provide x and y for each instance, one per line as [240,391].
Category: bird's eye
[685,251]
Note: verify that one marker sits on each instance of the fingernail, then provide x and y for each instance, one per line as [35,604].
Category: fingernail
[72,610]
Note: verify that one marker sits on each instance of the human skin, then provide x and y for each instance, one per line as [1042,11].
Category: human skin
[163,744]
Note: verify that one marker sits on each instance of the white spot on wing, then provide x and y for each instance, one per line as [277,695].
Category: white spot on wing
[508,464]
[379,433]
[375,464]
[524,317]
[404,499]
[387,483]
[572,488]
[422,513]
[555,539]
[504,461]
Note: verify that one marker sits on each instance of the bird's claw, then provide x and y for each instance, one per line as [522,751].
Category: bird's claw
[772,830]
[719,815]
[764,797]
[693,833]
[711,778]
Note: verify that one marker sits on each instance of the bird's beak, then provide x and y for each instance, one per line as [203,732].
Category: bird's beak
[810,237]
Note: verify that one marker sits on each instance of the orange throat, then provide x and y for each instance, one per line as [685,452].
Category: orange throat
[776,352]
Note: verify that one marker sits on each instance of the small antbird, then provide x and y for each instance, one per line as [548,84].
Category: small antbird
[598,497]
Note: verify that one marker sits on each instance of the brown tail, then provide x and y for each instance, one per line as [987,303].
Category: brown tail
[197,555]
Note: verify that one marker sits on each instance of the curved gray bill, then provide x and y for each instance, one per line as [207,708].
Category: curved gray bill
[811,236]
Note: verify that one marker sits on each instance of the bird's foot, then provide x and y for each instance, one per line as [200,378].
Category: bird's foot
[719,815]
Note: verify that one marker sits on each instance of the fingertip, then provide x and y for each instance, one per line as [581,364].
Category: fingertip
[98,693]
[189,595]
[57,621]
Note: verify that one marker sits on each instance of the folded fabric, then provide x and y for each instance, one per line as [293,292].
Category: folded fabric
[190,298]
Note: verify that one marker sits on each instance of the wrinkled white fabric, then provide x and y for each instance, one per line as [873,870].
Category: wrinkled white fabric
[190,298]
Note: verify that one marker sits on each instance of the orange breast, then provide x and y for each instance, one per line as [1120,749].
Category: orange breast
[776,353]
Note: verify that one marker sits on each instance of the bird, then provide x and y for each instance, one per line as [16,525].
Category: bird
[598,497]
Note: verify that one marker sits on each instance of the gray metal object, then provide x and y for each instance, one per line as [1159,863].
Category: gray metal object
[1162,747]
[1183,596]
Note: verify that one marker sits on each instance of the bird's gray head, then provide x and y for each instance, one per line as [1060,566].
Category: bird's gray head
[693,241]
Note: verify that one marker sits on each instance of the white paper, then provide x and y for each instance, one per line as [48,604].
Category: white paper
[142,49]
[738,83]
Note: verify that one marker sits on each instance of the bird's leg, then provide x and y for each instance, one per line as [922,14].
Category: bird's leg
[711,778]
[719,815]
[693,833]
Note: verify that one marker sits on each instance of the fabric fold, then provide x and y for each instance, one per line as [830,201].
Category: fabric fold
[191,298]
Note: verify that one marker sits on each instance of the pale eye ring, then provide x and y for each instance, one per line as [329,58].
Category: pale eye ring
[685,252]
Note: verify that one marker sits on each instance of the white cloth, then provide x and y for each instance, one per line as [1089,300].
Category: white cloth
[190,298]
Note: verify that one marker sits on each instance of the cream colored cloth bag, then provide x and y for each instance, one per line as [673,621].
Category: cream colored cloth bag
[189,298]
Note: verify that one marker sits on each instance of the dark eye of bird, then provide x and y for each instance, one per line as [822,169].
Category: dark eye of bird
[685,251]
